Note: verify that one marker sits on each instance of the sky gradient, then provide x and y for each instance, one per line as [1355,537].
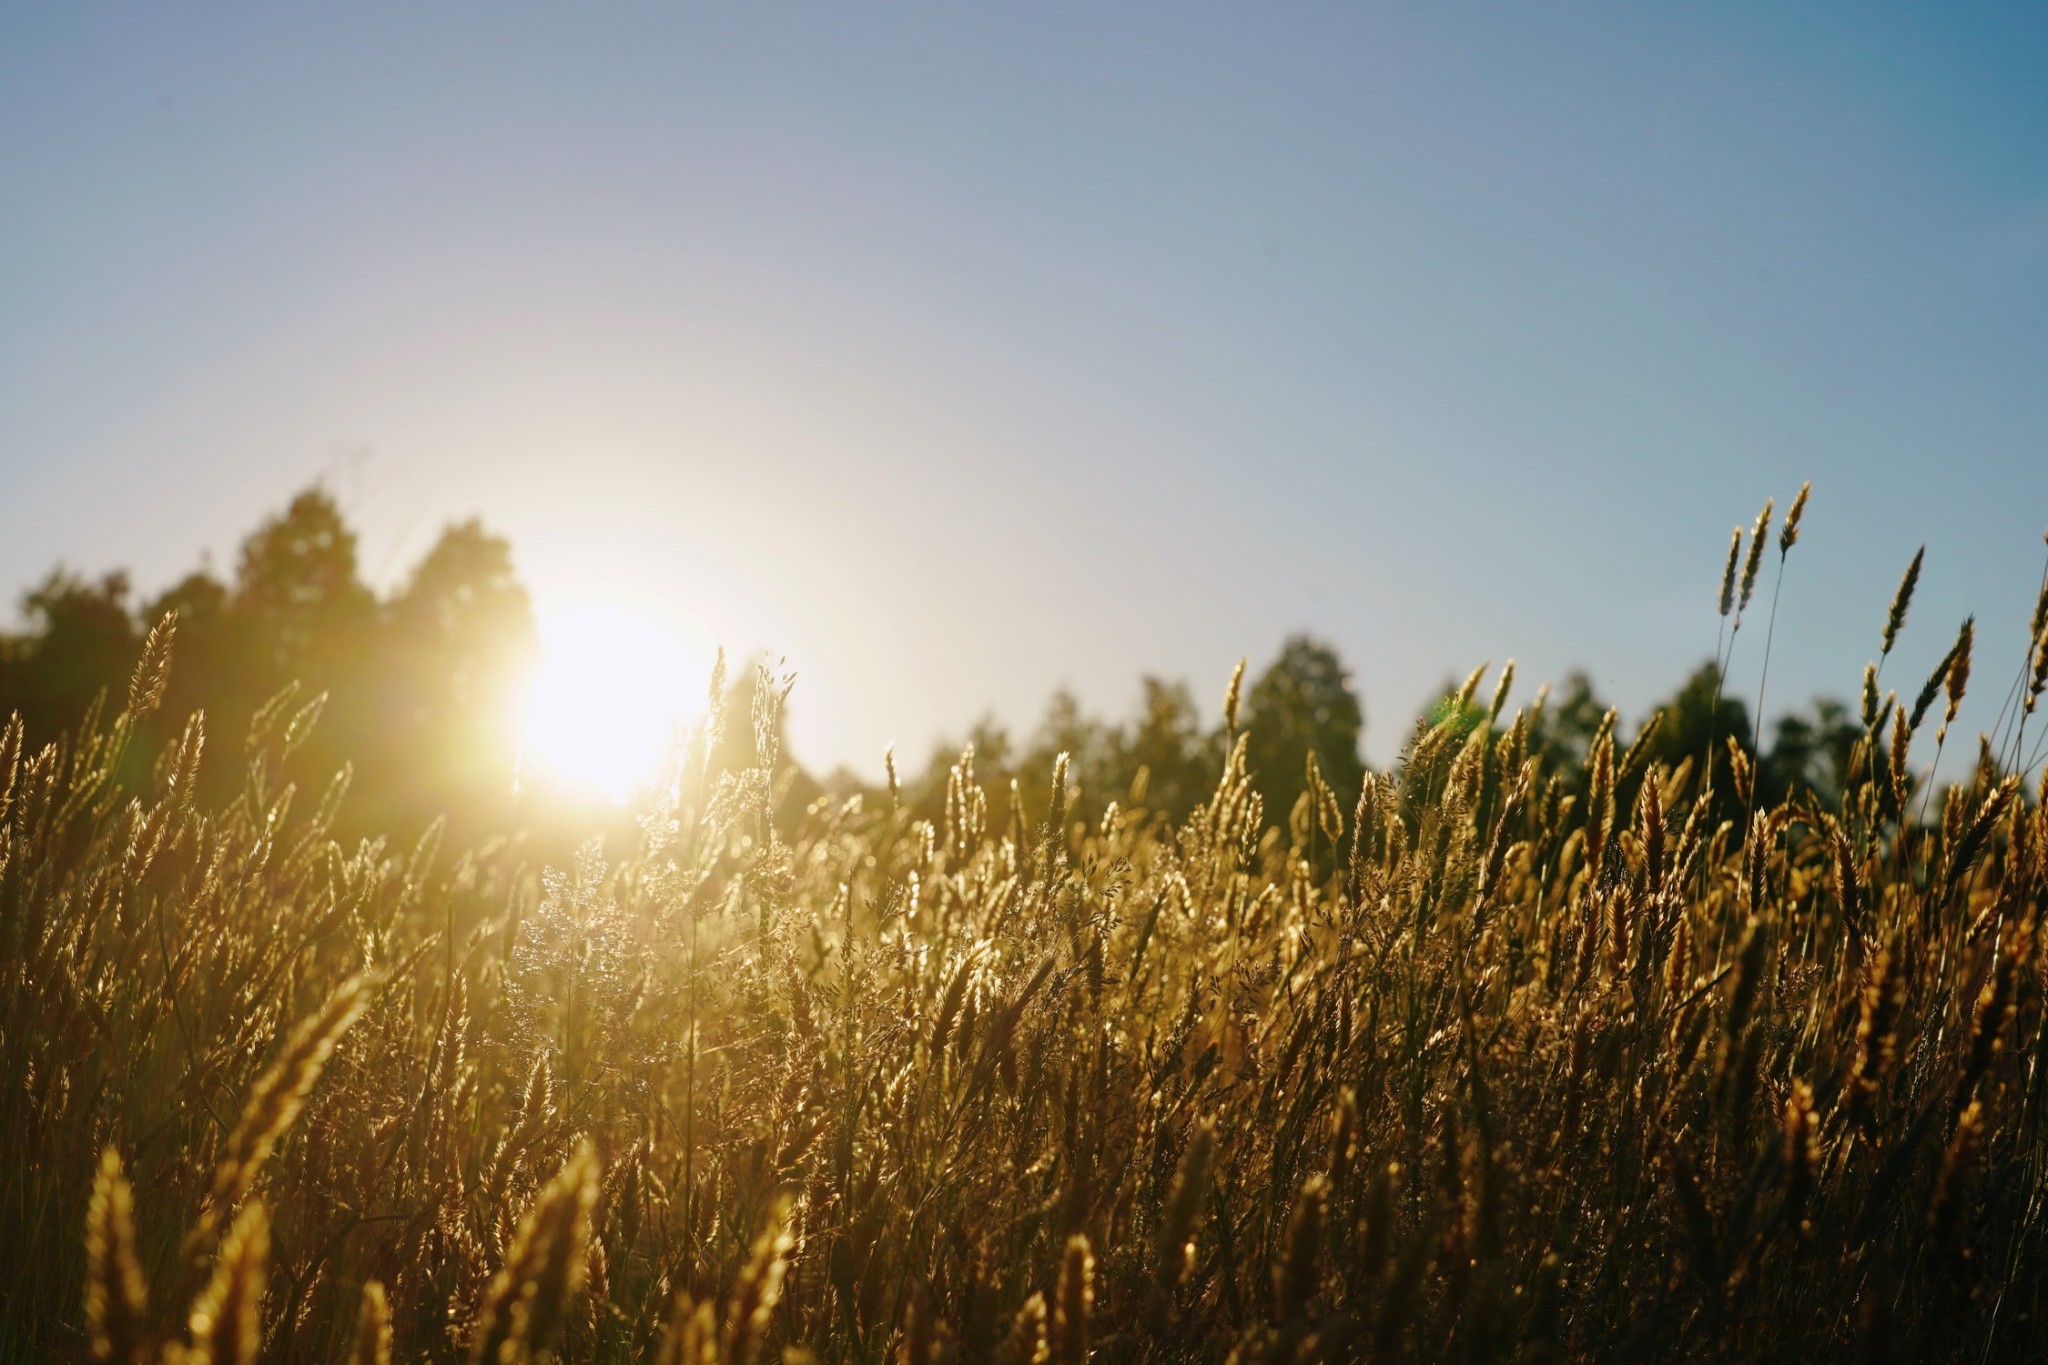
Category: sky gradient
[956,354]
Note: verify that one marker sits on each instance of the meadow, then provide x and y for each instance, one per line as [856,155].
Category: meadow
[1503,1061]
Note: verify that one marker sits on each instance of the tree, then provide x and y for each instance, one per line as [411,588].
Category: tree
[1562,731]
[994,767]
[1168,742]
[297,583]
[81,641]
[740,738]
[1697,723]
[210,669]
[1093,765]
[1304,703]
[459,642]
[1810,753]
[463,630]
[420,689]
[1698,718]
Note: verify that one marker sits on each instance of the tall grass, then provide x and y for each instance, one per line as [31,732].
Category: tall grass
[1460,1075]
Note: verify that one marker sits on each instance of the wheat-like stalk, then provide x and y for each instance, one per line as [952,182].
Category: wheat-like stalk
[691,1337]
[373,1328]
[273,1103]
[1074,1302]
[760,1289]
[1902,600]
[116,1297]
[153,669]
[225,1327]
[1174,1253]
[527,1301]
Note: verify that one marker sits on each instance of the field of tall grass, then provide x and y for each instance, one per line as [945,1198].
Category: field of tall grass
[1498,1064]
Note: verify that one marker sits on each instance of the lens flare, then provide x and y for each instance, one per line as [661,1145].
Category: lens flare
[615,679]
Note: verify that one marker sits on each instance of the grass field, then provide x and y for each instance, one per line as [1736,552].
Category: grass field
[1500,1064]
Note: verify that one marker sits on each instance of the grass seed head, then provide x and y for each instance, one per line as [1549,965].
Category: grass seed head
[1754,561]
[1801,1153]
[2039,682]
[1958,680]
[1789,537]
[1728,573]
[527,1301]
[275,1101]
[224,1326]
[153,669]
[691,1337]
[760,1287]
[1295,1277]
[1902,599]
[1027,1342]
[116,1297]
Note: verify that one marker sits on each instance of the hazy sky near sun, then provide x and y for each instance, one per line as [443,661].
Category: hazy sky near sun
[956,352]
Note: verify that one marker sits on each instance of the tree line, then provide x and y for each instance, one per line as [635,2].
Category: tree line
[414,693]
[1303,706]
[417,692]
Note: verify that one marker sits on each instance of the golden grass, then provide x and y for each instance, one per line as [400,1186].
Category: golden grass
[1498,1065]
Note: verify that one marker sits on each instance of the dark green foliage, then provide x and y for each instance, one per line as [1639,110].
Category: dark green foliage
[1303,704]
[81,639]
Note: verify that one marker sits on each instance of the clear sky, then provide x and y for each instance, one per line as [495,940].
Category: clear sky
[960,351]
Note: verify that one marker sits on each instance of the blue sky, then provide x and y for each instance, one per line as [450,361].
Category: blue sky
[959,352]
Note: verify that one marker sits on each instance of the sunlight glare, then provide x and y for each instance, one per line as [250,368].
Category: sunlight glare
[615,678]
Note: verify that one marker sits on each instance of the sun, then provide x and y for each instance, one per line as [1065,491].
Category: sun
[616,676]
